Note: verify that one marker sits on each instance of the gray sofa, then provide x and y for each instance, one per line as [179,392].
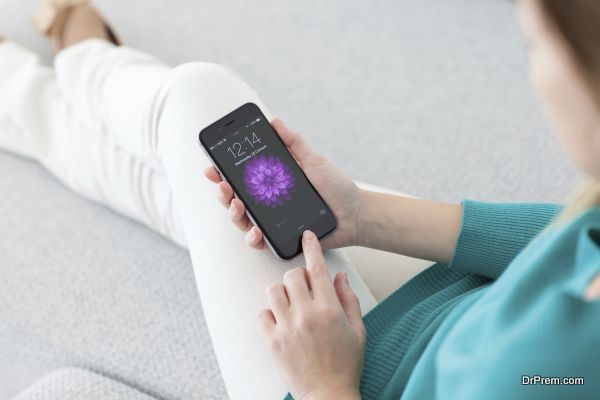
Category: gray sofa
[77,384]
[429,98]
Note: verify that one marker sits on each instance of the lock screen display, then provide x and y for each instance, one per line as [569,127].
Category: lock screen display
[268,179]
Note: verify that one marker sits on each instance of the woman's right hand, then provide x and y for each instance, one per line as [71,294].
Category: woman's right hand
[337,189]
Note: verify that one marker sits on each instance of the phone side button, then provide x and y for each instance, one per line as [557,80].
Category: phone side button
[250,218]
[212,162]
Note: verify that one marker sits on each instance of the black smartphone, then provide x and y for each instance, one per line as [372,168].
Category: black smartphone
[279,198]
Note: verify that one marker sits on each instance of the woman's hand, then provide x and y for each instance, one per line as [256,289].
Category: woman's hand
[337,189]
[315,329]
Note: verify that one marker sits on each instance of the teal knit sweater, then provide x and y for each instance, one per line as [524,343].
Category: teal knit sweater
[506,308]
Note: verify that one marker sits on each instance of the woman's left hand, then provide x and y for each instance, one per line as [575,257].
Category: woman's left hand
[315,329]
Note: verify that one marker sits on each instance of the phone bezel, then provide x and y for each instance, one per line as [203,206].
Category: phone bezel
[223,127]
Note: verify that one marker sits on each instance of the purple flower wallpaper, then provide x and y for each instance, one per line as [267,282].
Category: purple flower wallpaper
[268,180]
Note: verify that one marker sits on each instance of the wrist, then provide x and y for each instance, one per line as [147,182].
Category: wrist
[326,394]
[363,218]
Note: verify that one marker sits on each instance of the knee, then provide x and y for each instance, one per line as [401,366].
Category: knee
[204,80]
[193,96]
[200,70]
[210,90]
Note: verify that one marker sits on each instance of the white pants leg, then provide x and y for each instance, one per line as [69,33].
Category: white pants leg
[231,277]
[32,109]
[151,113]
[41,120]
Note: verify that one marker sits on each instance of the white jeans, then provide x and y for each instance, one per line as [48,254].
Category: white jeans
[120,127]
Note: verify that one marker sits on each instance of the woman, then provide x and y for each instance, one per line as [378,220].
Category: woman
[511,300]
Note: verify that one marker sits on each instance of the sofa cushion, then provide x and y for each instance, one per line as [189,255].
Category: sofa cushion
[82,286]
[77,384]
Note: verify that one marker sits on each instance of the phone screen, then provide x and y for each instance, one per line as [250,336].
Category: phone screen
[265,176]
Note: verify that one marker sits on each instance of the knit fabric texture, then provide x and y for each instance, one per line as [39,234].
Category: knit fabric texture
[401,327]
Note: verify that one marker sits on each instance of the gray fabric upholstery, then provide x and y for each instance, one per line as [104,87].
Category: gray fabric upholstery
[396,91]
[79,384]
[82,286]
[427,97]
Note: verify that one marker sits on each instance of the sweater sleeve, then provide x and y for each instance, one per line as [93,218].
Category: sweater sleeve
[492,234]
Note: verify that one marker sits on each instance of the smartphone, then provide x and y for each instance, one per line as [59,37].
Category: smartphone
[279,198]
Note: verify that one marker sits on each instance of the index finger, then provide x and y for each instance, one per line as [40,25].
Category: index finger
[320,282]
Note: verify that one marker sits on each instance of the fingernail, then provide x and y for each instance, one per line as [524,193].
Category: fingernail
[252,235]
[233,207]
[308,235]
[346,278]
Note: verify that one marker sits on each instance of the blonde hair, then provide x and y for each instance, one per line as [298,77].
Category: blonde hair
[586,195]
[578,23]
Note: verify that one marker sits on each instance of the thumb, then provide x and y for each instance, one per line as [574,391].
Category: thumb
[348,299]
[294,142]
